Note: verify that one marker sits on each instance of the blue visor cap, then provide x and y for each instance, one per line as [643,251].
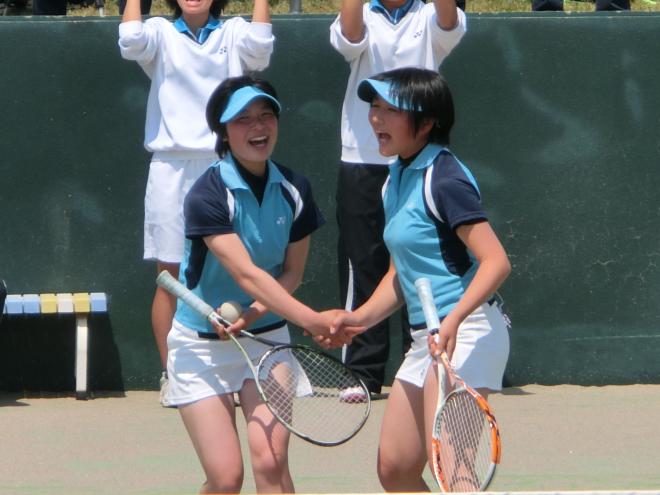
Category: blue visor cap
[369,88]
[241,99]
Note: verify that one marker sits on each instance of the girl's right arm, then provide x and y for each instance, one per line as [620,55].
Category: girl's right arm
[351,21]
[231,253]
[132,11]
[138,40]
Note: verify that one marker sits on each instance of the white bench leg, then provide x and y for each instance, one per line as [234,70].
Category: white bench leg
[82,341]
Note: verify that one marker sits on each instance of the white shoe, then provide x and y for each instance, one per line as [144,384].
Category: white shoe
[164,385]
[354,395]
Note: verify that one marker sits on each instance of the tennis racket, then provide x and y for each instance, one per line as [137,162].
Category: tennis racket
[465,441]
[300,385]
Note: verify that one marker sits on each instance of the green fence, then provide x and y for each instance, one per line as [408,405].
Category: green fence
[558,116]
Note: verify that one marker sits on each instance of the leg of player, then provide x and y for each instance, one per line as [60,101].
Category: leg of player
[401,452]
[269,443]
[162,313]
[211,426]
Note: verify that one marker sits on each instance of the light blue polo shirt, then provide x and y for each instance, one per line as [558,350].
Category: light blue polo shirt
[221,202]
[424,204]
[202,34]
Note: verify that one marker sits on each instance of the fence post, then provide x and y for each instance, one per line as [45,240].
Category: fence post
[295,7]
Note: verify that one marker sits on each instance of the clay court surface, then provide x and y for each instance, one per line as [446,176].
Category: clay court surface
[562,438]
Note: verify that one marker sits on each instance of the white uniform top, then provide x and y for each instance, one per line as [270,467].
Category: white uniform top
[416,40]
[184,73]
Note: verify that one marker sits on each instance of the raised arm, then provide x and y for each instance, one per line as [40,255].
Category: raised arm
[132,11]
[261,12]
[350,18]
[446,13]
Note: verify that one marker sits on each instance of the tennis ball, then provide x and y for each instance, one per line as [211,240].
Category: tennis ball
[230,311]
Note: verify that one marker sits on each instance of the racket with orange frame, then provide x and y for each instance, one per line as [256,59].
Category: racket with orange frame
[465,439]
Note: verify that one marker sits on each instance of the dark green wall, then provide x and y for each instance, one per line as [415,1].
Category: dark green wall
[558,116]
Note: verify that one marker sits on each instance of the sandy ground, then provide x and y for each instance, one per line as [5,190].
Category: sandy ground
[560,438]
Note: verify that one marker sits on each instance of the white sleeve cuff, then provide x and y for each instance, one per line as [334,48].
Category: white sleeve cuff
[261,29]
[129,28]
[343,45]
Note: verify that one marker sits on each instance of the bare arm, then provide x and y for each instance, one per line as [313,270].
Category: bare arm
[351,21]
[446,13]
[261,12]
[494,267]
[290,279]
[231,252]
[384,301]
[132,11]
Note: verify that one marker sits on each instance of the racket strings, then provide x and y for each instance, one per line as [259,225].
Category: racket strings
[465,450]
[302,388]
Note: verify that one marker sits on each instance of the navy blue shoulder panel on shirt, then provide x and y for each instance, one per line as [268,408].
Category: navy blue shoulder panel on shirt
[208,207]
[208,210]
[297,191]
[454,193]
[451,199]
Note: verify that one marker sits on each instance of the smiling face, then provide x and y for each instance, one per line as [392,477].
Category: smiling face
[394,130]
[252,135]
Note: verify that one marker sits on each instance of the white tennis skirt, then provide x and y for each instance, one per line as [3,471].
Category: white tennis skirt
[171,175]
[198,368]
[482,350]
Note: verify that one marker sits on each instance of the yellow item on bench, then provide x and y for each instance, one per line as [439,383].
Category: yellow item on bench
[81,303]
[48,303]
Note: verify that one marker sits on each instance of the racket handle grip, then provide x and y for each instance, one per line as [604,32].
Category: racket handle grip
[176,288]
[425,294]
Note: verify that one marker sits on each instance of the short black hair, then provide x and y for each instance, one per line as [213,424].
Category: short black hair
[216,7]
[220,99]
[427,92]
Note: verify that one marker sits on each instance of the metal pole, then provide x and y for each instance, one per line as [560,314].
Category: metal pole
[295,7]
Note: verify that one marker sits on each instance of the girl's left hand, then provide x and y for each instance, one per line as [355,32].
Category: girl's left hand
[445,339]
[221,330]
[245,319]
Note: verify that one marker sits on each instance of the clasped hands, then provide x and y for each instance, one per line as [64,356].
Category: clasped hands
[338,329]
[329,329]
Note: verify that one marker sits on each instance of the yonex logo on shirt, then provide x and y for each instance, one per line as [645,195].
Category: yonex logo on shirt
[222,50]
[280,220]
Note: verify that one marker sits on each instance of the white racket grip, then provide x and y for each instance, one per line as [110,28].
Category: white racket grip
[425,294]
[176,288]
